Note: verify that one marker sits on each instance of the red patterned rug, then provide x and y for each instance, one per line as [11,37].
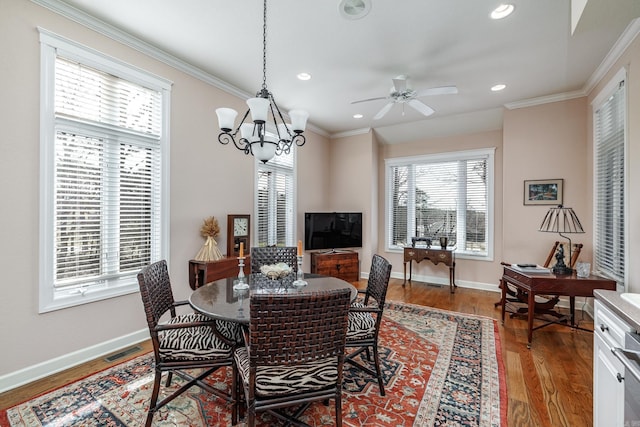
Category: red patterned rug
[441,369]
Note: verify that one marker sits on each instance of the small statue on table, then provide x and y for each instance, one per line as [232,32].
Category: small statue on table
[560,267]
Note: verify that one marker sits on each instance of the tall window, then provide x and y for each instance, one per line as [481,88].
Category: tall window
[104,149]
[444,195]
[275,201]
[610,115]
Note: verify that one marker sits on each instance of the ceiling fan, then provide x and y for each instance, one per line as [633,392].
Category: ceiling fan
[401,93]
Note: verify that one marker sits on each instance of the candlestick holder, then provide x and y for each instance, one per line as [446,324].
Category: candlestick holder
[240,284]
[300,274]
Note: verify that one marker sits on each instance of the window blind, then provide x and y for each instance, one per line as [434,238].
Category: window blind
[275,202]
[440,196]
[609,146]
[107,176]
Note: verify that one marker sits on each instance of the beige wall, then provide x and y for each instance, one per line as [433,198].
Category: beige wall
[206,179]
[544,142]
[351,180]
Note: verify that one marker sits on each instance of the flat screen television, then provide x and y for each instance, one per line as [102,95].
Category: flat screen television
[332,230]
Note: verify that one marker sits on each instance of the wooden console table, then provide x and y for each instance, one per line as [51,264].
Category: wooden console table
[551,284]
[202,272]
[436,256]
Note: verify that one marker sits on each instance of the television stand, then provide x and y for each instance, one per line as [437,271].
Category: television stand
[341,264]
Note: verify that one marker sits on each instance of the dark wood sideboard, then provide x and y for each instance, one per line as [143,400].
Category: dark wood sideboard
[343,265]
[202,272]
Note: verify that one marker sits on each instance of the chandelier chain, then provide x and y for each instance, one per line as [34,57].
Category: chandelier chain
[264,47]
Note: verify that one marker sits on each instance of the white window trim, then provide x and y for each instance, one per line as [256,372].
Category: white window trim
[596,104]
[488,153]
[51,43]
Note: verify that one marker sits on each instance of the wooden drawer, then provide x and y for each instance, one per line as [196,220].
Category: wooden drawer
[343,265]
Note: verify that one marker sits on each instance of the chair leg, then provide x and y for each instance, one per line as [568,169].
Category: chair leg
[154,397]
[338,404]
[378,372]
[234,396]
[169,378]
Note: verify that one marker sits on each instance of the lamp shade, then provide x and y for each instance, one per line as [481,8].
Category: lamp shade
[561,220]
[298,120]
[259,109]
[226,118]
[246,131]
[264,150]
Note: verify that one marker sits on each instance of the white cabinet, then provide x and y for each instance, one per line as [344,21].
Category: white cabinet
[608,371]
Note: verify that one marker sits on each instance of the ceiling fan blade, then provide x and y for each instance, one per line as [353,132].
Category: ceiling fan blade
[370,99]
[384,111]
[442,90]
[400,83]
[420,107]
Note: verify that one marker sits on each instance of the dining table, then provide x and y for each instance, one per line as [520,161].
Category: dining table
[219,300]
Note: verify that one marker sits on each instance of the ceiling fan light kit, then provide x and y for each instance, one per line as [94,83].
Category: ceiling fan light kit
[253,136]
[401,93]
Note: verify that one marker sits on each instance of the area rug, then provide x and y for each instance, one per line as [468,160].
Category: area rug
[441,369]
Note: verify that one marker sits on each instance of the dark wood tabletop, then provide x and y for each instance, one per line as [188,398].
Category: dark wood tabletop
[220,301]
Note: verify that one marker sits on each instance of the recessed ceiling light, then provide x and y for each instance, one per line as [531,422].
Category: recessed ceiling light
[304,76]
[502,11]
[357,116]
[498,87]
[354,9]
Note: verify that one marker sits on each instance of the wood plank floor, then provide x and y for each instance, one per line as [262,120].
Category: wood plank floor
[548,385]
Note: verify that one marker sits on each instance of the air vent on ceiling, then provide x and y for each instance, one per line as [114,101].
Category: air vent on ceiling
[354,9]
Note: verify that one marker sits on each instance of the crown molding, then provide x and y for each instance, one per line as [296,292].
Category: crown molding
[531,102]
[148,49]
[620,46]
[350,133]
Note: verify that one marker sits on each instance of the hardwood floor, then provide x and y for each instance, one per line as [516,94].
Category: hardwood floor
[548,385]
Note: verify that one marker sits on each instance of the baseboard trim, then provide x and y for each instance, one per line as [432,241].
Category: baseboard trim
[442,281]
[49,367]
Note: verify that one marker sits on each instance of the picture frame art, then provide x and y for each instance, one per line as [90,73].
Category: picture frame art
[543,192]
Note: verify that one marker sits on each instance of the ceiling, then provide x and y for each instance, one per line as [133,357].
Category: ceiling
[435,42]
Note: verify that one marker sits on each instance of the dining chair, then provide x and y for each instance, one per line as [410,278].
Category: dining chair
[365,318]
[266,255]
[294,354]
[181,341]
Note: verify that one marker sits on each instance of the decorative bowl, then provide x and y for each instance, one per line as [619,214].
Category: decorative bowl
[276,271]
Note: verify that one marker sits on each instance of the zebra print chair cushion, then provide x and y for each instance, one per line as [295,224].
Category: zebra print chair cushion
[361,324]
[198,343]
[278,380]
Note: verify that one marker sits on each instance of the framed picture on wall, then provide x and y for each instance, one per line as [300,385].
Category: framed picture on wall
[543,192]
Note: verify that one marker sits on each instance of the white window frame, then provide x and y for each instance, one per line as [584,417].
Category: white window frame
[272,223]
[488,153]
[52,45]
[599,250]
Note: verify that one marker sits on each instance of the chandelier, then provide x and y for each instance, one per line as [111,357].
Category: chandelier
[253,138]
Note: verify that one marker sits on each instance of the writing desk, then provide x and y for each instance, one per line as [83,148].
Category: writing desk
[550,284]
[436,256]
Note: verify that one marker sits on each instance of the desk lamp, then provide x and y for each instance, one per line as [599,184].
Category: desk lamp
[561,220]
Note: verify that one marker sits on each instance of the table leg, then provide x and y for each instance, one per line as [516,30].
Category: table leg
[452,279]
[572,310]
[410,270]
[405,272]
[531,308]
[503,299]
